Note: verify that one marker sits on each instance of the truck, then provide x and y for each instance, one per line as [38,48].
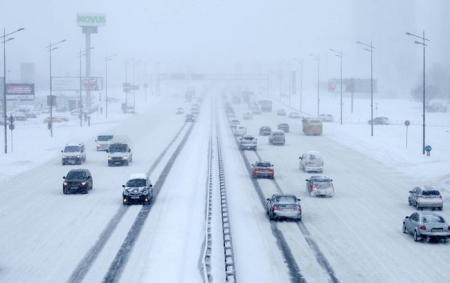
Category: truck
[265,105]
[312,127]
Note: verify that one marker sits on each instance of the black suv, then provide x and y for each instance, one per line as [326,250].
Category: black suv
[77,180]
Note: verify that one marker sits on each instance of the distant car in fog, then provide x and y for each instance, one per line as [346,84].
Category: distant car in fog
[77,181]
[320,186]
[436,107]
[263,169]
[247,142]
[379,121]
[190,118]
[138,189]
[265,131]
[277,138]
[235,122]
[247,116]
[311,161]
[326,118]
[426,225]
[281,206]
[239,131]
[425,197]
[180,111]
[294,115]
[281,112]
[283,127]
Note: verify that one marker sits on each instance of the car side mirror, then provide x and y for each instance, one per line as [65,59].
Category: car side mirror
[298,199]
[129,150]
[406,217]
[89,177]
[411,192]
[123,186]
[268,199]
[307,180]
[300,157]
[107,150]
[62,151]
[64,177]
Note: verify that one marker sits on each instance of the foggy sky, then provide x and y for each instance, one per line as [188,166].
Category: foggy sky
[212,35]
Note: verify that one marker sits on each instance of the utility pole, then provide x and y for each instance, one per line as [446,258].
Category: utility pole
[422,42]
[370,48]
[108,58]
[340,55]
[317,59]
[5,114]
[51,47]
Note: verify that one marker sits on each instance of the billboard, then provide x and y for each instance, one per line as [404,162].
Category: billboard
[73,83]
[352,85]
[91,19]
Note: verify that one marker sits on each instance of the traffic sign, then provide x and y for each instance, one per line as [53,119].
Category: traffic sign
[428,148]
[407,123]
[12,127]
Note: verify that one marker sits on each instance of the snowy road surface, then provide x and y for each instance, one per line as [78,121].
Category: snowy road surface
[355,236]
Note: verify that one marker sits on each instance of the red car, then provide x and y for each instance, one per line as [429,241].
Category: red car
[262,169]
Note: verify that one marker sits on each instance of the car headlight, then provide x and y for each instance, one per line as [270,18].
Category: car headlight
[145,191]
[65,183]
[78,156]
[109,157]
[125,157]
[83,183]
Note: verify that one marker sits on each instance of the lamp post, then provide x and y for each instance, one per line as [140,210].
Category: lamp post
[80,106]
[424,45]
[340,55]
[370,48]
[5,39]
[300,62]
[107,58]
[51,47]
[317,59]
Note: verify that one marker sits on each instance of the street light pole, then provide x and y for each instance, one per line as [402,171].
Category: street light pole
[370,48]
[51,47]
[80,106]
[300,62]
[424,45]
[5,115]
[108,58]
[340,55]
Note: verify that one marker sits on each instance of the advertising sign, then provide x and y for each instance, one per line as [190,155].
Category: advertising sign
[73,83]
[91,19]
[20,89]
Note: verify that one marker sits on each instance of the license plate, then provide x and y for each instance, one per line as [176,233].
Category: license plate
[135,197]
[74,188]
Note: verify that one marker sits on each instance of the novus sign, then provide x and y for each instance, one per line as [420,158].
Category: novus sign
[91,20]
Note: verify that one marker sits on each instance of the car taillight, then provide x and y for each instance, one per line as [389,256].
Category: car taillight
[276,207]
[448,228]
[423,227]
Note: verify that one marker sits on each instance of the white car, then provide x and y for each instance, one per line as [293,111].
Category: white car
[73,154]
[102,141]
[239,131]
[311,161]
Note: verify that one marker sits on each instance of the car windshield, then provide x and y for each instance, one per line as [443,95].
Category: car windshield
[118,147]
[263,164]
[312,157]
[136,183]
[431,193]
[76,175]
[105,138]
[278,134]
[72,148]
[433,219]
[248,138]
[285,199]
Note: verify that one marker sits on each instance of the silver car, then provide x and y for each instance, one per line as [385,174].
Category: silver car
[426,225]
[284,206]
[425,197]
[277,138]
[311,161]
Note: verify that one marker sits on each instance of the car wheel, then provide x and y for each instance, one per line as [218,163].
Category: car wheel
[440,208]
[85,191]
[416,236]
[404,229]
[409,202]
[65,191]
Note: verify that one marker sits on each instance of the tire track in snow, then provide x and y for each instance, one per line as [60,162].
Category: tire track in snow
[320,257]
[86,262]
[120,260]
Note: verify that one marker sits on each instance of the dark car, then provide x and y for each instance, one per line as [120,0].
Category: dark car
[283,127]
[77,181]
[138,189]
[265,131]
[190,118]
[380,121]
